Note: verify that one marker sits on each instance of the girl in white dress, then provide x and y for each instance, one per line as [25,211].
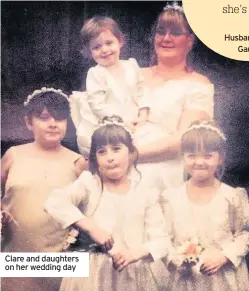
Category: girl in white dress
[113,86]
[207,219]
[120,214]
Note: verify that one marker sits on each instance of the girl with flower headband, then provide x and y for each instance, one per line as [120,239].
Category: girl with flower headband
[29,173]
[207,219]
[113,86]
[119,211]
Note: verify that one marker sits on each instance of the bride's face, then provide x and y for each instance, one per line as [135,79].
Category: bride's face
[172,40]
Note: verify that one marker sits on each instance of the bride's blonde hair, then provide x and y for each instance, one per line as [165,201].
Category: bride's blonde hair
[172,16]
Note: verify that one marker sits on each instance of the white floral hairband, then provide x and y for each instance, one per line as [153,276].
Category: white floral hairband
[174,6]
[208,127]
[44,90]
[114,122]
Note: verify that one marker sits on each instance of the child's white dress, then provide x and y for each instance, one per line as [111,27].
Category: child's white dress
[134,219]
[222,224]
[105,96]
[167,104]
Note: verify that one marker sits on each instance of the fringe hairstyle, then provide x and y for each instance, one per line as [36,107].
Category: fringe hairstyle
[172,16]
[205,136]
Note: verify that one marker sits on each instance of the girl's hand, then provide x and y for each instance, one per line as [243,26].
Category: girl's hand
[80,165]
[213,261]
[101,237]
[123,258]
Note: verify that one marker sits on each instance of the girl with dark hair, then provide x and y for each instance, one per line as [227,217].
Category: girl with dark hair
[207,219]
[118,210]
[29,173]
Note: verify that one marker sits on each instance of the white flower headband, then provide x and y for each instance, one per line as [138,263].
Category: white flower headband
[43,90]
[174,6]
[114,122]
[208,127]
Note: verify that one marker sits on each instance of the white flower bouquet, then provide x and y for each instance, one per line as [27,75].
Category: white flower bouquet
[189,257]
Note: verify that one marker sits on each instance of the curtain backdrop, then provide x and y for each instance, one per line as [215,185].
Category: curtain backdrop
[41,47]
